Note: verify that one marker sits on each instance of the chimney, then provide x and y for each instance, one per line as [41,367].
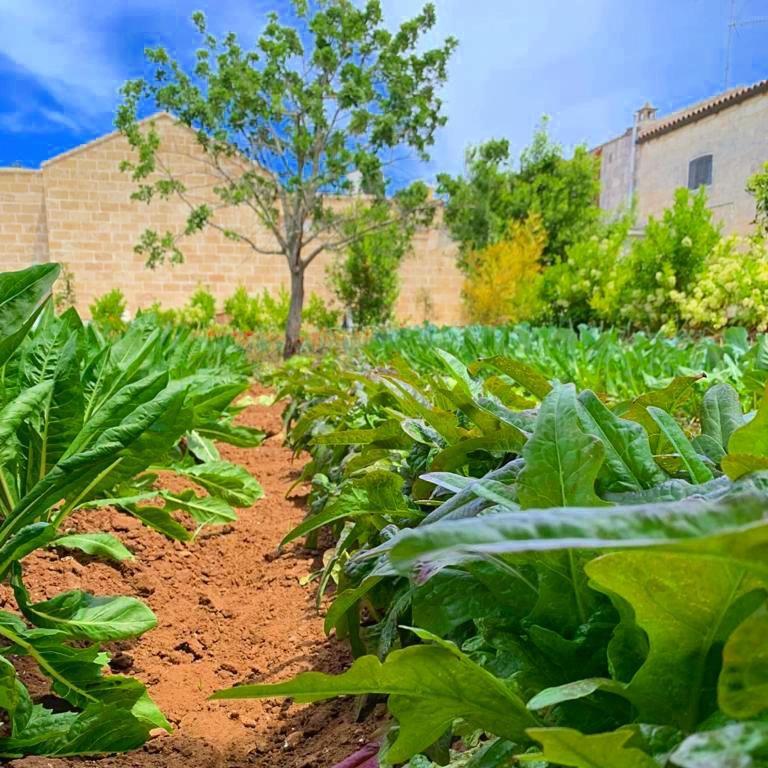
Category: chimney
[647,113]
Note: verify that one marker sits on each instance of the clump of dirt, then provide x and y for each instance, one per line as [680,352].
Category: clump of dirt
[229,611]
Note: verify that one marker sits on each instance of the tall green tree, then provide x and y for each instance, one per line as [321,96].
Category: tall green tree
[325,102]
[493,191]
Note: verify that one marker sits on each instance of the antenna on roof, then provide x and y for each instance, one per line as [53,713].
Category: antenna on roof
[734,24]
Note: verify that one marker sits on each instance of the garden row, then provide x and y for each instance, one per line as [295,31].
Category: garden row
[527,568]
[89,421]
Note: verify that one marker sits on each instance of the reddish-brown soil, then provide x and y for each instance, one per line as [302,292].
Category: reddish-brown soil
[229,611]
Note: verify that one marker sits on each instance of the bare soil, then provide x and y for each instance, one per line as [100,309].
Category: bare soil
[229,611]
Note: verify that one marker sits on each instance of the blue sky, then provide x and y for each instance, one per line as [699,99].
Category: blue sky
[587,64]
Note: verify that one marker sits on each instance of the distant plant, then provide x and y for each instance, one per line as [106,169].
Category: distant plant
[268,312]
[319,315]
[108,312]
[502,284]
[200,311]
[562,191]
[365,279]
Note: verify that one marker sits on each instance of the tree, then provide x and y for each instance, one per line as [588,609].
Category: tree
[286,128]
[562,191]
[365,278]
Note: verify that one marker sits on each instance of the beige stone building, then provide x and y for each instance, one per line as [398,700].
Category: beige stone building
[718,143]
[77,210]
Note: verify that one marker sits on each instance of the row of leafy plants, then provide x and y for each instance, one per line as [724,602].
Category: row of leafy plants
[602,359]
[534,574]
[87,421]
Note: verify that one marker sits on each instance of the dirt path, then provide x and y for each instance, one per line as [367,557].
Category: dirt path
[228,612]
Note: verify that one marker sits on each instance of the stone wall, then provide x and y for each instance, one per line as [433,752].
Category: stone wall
[77,210]
[23,231]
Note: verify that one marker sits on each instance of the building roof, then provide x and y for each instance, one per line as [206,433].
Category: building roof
[702,109]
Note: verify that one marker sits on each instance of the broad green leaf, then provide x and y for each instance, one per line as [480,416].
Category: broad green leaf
[721,413]
[579,689]
[697,469]
[523,374]
[228,481]
[24,541]
[202,448]
[686,607]
[234,434]
[567,747]
[629,463]
[742,690]
[160,519]
[80,615]
[430,686]
[204,510]
[669,399]
[733,528]
[375,493]
[97,544]
[561,460]
[22,297]
[740,745]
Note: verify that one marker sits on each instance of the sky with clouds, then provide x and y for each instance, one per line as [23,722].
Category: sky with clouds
[587,63]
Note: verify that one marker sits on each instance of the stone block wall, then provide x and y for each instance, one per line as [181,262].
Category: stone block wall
[77,210]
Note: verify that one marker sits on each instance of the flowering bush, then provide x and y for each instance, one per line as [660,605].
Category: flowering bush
[732,289]
[578,290]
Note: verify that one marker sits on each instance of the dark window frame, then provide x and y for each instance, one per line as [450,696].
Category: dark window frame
[700,172]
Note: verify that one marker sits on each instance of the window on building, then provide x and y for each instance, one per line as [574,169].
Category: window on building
[700,172]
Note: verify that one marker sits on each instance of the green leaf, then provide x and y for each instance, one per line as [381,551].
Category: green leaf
[80,615]
[721,413]
[375,493]
[749,440]
[697,469]
[159,519]
[204,510]
[567,747]
[629,463]
[733,528]
[686,607]
[24,541]
[234,434]
[561,460]
[742,690]
[741,745]
[226,480]
[430,686]
[523,374]
[22,297]
[97,544]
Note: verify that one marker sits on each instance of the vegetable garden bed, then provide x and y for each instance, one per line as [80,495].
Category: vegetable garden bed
[228,611]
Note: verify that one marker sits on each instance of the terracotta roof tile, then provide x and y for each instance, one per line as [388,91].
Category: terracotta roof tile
[702,109]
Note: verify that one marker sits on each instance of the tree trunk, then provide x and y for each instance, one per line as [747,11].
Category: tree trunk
[293,326]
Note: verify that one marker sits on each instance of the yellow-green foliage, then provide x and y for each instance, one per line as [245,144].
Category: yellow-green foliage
[502,284]
[732,289]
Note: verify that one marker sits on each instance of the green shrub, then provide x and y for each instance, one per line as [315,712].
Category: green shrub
[365,279]
[319,315]
[669,257]
[108,310]
[268,312]
[575,290]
